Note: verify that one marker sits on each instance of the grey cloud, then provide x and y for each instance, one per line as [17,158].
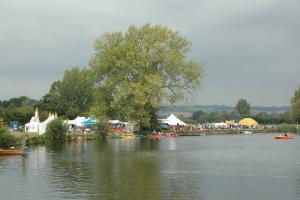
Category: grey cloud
[250,48]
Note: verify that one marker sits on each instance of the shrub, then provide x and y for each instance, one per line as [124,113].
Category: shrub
[6,138]
[287,128]
[55,132]
[102,128]
[34,138]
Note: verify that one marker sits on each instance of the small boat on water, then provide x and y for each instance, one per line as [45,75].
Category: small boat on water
[247,132]
[157,136]
[127,136]
[11,152]
[284,137]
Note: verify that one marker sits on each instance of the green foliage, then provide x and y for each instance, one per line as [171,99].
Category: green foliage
[295,101]
[283,128]
[52,102]
[203,117]
[34,139]
[55,132]
[136,70]
[72,95]
[187,120]
[102,128]
[17,109]
[196,115]
[6,138]
[18,102]
[261,118]
[243,108]
[274,118]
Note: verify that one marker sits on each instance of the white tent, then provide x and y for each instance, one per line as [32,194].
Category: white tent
[32,127]
[115,121]
[78,121]
[43,125]
[173,121]
[220,125]
[35,126]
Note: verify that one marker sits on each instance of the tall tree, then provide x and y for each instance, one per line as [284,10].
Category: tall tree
[76,90]
[243,108]
[295,101]
[52,102]
[136,70]
[72,95]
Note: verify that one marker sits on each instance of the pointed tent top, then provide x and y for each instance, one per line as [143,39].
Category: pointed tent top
[36,114]
[173,121]
[55,114]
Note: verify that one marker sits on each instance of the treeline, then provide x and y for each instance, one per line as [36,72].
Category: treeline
[223,108]
[261,118]
[72,96]
[17,109]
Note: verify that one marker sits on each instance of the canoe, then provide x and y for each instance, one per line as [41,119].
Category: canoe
[11,152]
[284,137]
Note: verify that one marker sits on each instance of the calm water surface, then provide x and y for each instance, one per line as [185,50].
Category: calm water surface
[210,167]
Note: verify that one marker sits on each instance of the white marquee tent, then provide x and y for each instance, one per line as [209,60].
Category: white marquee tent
[35,126]
[173,121]
[78,121]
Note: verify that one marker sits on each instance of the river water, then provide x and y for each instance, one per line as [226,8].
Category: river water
[207,167]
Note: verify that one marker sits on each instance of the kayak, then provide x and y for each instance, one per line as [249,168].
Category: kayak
[284,137]
[127,137]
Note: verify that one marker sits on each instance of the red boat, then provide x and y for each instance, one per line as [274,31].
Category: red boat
[157,136]
[284,137]
[11,152]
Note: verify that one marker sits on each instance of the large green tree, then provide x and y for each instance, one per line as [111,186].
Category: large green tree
[243,108]
[135,71]
[295,101]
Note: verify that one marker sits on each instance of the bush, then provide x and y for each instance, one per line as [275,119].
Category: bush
[56,131]
[101,128]
[34,138]
[287,128]
[6,138]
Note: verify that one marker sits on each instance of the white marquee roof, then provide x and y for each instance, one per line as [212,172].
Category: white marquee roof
[173,121]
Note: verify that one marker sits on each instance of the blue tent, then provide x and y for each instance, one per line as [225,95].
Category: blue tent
[14,125]
[89,122]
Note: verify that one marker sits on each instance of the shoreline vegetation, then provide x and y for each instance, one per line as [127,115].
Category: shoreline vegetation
[9,139]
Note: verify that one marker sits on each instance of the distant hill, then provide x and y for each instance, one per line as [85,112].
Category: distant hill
[188,110]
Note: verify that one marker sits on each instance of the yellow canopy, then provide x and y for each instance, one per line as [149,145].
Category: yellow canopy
[248,122]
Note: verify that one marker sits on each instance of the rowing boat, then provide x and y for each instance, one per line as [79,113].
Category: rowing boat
[284,137]
[155,136]
[11,152]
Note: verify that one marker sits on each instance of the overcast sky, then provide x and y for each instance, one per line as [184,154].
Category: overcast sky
[250,48]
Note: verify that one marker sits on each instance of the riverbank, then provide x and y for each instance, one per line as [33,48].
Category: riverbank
[36,139]
[282,128]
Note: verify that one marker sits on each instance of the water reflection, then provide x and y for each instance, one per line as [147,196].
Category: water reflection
[104,170]
[223,167]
